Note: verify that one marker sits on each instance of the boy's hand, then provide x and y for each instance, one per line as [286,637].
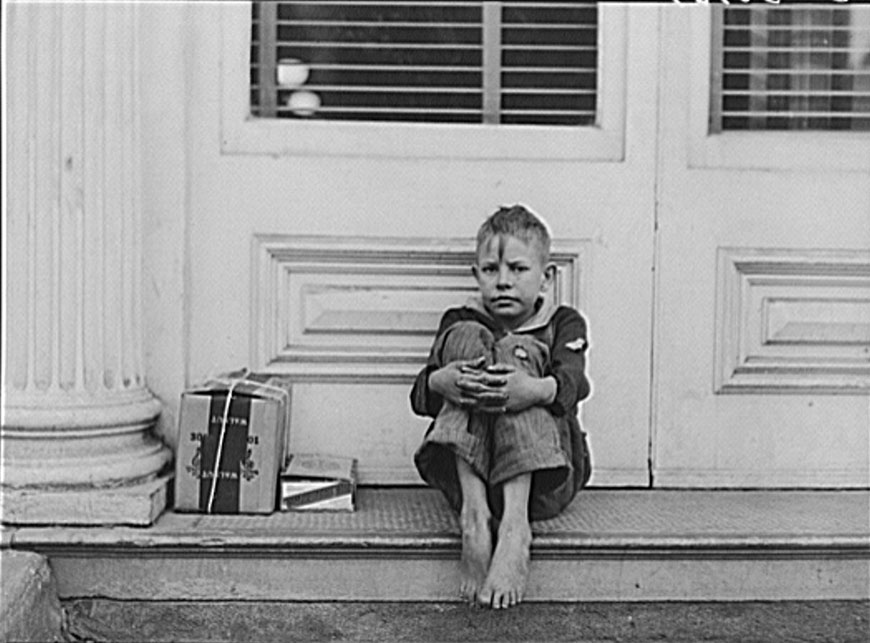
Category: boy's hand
[467,384]
[522,390]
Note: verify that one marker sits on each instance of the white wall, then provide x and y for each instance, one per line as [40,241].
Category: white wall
[165,202]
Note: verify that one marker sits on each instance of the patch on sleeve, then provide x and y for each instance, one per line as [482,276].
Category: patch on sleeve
[577,345]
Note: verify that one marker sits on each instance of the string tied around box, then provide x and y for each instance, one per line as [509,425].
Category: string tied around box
[231,384]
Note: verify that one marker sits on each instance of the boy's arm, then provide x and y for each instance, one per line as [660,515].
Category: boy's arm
[564,383]
[425,401]
[568,361]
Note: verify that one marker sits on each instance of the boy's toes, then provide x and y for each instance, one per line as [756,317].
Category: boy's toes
[485,598]
[507,600]
[499,598]
[493,598]
[469,592]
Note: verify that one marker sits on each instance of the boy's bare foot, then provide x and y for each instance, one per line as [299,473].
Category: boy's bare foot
[476,553]
[506,582]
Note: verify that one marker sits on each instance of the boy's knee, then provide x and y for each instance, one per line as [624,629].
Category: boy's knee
[466,340]
[524,352]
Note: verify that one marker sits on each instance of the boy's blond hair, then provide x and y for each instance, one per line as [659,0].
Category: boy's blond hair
[516,221]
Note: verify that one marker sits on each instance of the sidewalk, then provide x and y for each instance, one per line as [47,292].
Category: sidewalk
[830,621]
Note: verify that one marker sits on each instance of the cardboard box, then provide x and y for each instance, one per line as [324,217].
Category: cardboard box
[241,420]
[318,482]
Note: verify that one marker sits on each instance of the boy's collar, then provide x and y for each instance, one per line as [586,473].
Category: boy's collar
[542,317]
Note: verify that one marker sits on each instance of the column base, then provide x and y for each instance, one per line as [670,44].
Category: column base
[136,505]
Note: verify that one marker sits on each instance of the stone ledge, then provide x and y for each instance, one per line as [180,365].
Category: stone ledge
[419,520]
[187,622]
[136,505]
[383,576]
[29,606]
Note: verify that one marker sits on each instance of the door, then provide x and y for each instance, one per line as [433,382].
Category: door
[326,251]
[762,345]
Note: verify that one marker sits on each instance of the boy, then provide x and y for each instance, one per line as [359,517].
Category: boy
[503,380]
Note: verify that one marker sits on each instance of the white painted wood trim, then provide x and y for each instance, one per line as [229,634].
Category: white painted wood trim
[243,134]
[782,151]
[792,321]
[803,478]
[357,309]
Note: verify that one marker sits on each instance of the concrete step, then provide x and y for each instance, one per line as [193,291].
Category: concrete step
[403,545]
[307,622]
[29,605]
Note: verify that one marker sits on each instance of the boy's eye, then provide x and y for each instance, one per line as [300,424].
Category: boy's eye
[488,269]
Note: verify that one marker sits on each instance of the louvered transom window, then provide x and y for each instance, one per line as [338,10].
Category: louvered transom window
[800,66]
[532,63]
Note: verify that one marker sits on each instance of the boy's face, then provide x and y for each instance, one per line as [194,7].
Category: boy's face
[511,275]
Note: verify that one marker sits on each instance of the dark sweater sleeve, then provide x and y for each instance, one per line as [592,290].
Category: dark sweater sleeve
[568,361]
[423,401]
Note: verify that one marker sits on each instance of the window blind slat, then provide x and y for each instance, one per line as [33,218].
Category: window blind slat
[560,48]
[378,45]
[536,71]
[375,89]
[546,112]
[391,109]
[826,49]
[786,73]
[340,22]
[543,26]
[730,30]
[797,92]
[390,68]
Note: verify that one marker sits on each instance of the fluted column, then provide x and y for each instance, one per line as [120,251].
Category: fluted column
[76,435]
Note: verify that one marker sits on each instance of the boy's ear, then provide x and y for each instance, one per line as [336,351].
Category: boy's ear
[474,270]
[549,276]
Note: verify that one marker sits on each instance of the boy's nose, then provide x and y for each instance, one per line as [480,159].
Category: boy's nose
[504,277]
